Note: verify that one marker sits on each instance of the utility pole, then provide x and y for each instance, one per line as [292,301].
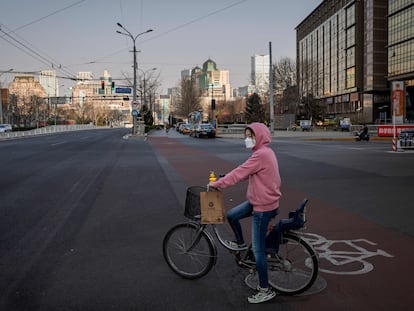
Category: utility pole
[134,90]
[272,112]
[1,106]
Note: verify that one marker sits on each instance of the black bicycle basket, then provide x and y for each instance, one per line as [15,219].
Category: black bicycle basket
[192,202]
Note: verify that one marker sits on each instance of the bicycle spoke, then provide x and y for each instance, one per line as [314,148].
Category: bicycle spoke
[296,267]
[188,251]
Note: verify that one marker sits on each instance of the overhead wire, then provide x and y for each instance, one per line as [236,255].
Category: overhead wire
[50,14]
[194,20]
[59,67]
[180,26]
[31,51]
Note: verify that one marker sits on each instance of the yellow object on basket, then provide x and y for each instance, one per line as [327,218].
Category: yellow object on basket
[212,177]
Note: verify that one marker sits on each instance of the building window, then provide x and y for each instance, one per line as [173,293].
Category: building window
[350,16]
[350,77]
[350,36]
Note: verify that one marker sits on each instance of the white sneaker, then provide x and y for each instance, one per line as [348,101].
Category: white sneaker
[235,246]
[262,295]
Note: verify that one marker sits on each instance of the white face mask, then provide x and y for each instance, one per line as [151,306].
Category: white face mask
[249,142]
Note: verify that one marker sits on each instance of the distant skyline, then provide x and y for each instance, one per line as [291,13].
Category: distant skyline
[70,36]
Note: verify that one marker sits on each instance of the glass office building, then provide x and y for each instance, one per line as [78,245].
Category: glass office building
[401,50]
[343,57]
[260,65]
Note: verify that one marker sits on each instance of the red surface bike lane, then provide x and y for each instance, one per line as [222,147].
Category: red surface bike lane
[363,266]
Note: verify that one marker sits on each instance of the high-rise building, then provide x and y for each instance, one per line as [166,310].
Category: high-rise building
[342,60]
[214,82]
[185,73]
[401,50]
[260,65]
[49,81]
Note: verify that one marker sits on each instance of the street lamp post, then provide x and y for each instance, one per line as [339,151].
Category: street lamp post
[212,102]
[134,90]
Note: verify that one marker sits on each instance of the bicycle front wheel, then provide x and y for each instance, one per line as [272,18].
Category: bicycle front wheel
[189,251]
[295,268]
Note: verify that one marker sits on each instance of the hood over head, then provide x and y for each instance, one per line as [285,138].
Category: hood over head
[261,133]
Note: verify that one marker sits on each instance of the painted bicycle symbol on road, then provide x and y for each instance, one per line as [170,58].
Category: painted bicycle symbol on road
[344,257]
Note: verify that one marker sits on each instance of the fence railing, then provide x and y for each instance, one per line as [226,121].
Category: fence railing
[47,130]
[239,129]
[231,128]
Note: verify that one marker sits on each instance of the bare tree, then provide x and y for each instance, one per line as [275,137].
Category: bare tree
[231,111]
[285,93]
[147,90]
[189,100]
[284,73]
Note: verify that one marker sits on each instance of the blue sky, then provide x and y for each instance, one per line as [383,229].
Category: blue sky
[80,35]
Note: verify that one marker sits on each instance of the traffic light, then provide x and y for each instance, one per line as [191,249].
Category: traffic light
[213,104]
[102,85]
[113,86]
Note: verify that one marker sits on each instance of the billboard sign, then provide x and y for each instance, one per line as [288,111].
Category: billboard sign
[388,130]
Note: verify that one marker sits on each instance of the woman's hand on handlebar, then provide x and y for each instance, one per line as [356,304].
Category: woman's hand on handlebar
[211,185]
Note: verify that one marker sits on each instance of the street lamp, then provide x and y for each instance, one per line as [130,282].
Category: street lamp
[128,34]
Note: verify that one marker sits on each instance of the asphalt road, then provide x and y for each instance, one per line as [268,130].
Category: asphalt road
[83,215]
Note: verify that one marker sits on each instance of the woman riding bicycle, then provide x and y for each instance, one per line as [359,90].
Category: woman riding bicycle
[263,194]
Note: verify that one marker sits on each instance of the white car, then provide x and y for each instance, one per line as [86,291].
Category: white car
[5,128]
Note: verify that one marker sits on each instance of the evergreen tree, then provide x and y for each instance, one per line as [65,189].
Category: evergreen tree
[148,118]
[255,111]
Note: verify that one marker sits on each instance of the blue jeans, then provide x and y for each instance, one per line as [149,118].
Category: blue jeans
[259,230]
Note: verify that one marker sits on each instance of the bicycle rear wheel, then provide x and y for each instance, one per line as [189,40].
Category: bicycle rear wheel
[189,251]
[295,268]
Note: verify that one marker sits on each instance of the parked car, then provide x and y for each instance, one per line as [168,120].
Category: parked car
[345,124]
[205,130]
[177,126]
[5,128]
[185,128]
[306,125]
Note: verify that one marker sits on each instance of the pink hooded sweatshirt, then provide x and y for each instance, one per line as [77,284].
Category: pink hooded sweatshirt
[262,170]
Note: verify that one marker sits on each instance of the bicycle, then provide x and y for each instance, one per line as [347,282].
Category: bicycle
[190,250]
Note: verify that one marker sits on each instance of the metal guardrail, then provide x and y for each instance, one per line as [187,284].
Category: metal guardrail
[406,143]
[406,139]
[239,129]
[232,128]
[46,130]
